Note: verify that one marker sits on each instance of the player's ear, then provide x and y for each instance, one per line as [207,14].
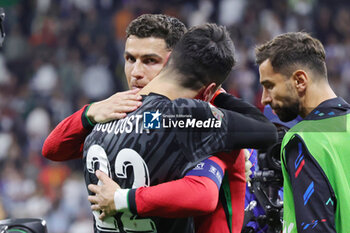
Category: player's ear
[209,91]
[300,79]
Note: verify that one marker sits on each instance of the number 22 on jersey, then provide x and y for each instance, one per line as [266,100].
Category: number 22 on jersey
[97,158]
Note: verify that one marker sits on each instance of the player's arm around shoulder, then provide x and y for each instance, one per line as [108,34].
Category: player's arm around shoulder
[114,107]
[66,141]
[247,126]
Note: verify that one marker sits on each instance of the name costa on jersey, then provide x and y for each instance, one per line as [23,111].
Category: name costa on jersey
[126,125]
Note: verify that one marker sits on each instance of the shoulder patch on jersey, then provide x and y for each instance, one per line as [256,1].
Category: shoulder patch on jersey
[216,112]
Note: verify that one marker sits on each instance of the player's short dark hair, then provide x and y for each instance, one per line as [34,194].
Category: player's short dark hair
[289,51]
[160,26]
[205,54]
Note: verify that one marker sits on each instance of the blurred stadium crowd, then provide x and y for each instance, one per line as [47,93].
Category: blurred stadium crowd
[61,54]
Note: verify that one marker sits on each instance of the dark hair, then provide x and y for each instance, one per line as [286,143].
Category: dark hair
[288,51]
[204,54]
[159,26]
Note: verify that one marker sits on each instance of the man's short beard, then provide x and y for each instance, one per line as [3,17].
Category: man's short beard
[290,110]
[288,113]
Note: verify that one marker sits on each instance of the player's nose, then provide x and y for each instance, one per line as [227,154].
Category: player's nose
[137,70]
[266,97]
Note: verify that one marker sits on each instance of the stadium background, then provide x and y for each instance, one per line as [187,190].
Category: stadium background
[61,54]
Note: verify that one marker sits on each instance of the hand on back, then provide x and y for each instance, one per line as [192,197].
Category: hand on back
[114,107]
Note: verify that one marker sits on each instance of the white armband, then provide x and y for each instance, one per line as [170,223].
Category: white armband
[121,199]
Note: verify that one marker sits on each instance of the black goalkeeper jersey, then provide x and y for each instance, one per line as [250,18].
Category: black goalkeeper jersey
[160,142]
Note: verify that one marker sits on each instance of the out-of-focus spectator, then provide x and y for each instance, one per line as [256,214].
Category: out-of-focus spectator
[202,14]
[4,74]
[44,80]
[97,82]
[52,178]
[231,11]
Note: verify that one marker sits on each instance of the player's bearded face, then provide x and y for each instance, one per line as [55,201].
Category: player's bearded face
[287,107]
[279,92]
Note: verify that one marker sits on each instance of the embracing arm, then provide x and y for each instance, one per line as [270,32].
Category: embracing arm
[195,194]
[66,141]
[189,196]
[247,125]
[237,125]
